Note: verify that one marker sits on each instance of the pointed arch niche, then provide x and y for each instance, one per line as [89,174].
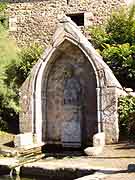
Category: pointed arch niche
[74,122]
[71,93]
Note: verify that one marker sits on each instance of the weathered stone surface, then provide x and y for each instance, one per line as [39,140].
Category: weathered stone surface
[36,20]
[69,108]
[23,139]
[86,100]
[109,98]
[26,94]
[99,139]
[93,151]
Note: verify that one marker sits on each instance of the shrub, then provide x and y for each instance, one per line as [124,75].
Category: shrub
[126,112]
[131,126]
[3,125]
[18,71]
[15,73]
[3,6]
[116,43]
[121,60]
[121,26]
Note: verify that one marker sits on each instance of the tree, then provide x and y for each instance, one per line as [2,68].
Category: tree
[116,43]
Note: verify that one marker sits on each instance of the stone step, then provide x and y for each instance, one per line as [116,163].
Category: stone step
[32,151]
[21,151]
[28,155]
[27,160]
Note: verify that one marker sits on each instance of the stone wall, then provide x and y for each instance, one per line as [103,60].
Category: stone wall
[36,20]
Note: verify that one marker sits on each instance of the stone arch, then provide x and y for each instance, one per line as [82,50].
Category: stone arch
[41,84]
[67,39]
[53,111]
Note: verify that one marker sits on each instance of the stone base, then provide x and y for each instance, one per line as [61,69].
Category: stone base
[99,139]
[23,139]
[93,151]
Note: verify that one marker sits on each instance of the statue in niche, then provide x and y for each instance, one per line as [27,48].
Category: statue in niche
[72,87]
[71,132]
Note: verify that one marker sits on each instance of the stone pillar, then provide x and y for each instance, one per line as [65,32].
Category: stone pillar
[109,101]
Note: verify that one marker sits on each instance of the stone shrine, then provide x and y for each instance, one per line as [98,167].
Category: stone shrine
[71,94]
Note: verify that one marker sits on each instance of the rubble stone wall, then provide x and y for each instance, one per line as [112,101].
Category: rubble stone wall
[36,20]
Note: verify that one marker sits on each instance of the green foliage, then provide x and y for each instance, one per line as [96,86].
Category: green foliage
[3,125]
[99,37]
[29,57]
[15,72]
[8,54]
[3,17]
[18,71]
[116,43]
[127,116]
[15,66]
[121,59]
[3,6]
[121,27]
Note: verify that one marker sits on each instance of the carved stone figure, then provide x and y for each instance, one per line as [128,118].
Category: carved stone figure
[71,133]
[72,88]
